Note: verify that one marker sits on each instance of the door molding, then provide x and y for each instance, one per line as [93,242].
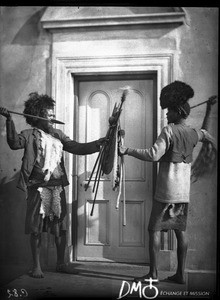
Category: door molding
[67,17]
[64,70]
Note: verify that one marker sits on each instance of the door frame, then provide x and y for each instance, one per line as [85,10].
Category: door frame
[64,74]
[86,79]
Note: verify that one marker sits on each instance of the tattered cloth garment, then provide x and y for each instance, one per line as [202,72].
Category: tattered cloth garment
[50,201]
[50,154]
[175,210]
[166,216]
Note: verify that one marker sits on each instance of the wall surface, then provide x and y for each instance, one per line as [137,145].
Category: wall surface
[24,60]
[25,67]
[198,65]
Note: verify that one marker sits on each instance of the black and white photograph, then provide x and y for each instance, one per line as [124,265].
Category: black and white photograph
[109,152]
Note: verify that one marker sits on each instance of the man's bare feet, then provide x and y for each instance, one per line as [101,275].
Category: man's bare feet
[36,273]
[176,278]
[147,276]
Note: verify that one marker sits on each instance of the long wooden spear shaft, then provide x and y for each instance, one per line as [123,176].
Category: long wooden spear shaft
[211,99]
[37,117]
[102,155]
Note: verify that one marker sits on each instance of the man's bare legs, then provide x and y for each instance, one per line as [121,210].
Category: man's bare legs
[182,246]
[35,241]
[154,247]
[60,245]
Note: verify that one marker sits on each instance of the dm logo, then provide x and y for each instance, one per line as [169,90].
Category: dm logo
[148,291]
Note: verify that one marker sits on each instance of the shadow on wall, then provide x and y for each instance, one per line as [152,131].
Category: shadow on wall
[14,244]
[30,31]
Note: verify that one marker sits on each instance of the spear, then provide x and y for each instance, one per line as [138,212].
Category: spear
[37,117]
[211,100]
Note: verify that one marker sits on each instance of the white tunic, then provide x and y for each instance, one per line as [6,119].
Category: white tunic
[173,180]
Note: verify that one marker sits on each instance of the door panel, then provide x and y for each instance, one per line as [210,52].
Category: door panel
[103,236]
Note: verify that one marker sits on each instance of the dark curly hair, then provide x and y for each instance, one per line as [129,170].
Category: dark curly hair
[175,93]
[37,105]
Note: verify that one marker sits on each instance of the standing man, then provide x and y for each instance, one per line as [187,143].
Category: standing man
[173,149]
[43,174]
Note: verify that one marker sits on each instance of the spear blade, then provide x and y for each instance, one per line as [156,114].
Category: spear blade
[36,117]
[56,121]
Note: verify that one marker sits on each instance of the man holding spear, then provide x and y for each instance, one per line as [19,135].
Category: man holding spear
[43,174]
[173,149]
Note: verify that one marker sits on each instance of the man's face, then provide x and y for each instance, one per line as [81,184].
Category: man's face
[172,116]
[49,115]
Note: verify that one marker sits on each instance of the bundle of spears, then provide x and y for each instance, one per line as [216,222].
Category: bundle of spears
[105,160]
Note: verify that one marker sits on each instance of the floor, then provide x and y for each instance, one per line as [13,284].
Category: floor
[104,280]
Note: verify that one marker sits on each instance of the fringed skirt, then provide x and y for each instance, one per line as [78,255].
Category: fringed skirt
[35,223]
[166,216]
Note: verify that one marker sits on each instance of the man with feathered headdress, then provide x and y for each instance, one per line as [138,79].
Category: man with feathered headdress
[43,174]
[173,149]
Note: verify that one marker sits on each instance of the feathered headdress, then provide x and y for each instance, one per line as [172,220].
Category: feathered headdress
[174,94]
[36,106]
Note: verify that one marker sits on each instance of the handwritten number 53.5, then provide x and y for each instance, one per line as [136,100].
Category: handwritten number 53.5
[15,293]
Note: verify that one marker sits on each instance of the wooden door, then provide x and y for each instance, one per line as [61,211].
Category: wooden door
[103,237]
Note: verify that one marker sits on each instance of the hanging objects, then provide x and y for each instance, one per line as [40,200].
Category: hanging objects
[205,163]
[106,157]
